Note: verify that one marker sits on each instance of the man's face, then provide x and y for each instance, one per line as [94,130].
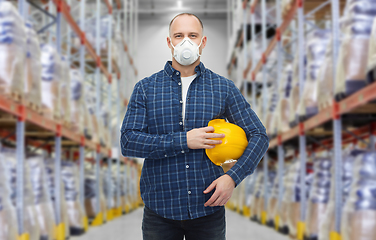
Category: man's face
[186,26]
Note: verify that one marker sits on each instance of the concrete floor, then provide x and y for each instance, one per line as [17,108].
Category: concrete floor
[129,227]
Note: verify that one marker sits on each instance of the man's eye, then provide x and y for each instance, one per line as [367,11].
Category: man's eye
[193,36]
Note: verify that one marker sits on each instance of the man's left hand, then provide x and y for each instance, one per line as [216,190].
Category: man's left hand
[224,186]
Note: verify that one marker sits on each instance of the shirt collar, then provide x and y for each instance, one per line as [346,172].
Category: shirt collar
[175,74]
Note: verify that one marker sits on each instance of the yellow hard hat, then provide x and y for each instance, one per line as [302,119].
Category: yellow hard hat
[233,144]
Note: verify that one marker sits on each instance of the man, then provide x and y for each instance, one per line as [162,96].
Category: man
[166,123]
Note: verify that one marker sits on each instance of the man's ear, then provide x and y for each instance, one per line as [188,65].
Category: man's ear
[204,41]
[169,43]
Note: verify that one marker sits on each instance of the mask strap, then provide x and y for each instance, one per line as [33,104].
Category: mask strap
[171,43]
[199,47]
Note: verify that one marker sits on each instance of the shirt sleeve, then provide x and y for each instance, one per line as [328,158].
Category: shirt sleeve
[135,140]
[239,112]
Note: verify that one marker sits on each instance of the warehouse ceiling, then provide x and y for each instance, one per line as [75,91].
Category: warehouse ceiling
[203,8]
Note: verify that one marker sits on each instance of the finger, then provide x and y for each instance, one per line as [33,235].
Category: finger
[208,129]
[217,202]
[213,198]
[224,201]
[211,187]
[214,135]
[207,146]
[208,141]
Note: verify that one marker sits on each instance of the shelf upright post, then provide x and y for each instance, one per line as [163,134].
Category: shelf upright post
[253,29]
[98,52]
[280,144]
[302,137]
[82,72]
[97,187]
[69,38]
[245,61]
[337,126]
[20,151]
[264,107]
[109,98]
[228,14]
[82,171]
[118,193]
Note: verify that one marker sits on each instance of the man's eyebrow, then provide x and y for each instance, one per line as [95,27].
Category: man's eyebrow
[182,33]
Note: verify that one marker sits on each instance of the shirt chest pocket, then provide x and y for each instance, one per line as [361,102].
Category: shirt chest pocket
[205,105]
[163,111]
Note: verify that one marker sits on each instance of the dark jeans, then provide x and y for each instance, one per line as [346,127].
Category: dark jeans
[212,227]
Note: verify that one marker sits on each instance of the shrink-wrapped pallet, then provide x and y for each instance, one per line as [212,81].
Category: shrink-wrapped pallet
[270,109]
[29,219]
[327,225]
[109,188]
[8,217]
[319,196]
[12,51]
[91,197]
[324,85]
[273,202]
[282,209]
[316,45]
[33,69]
[294,98]
[42,199]
[256,199]
[94,120]
[51,79]
[75,210]
[283,106]
[77,101]
[354,49]
[65,91]
[371,63]
[293,195]
[50,171]
[359,212]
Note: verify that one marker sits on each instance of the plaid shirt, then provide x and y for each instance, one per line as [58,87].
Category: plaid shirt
[173,176]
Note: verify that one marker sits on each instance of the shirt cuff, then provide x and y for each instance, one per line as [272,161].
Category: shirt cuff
[180,142]
[234,175]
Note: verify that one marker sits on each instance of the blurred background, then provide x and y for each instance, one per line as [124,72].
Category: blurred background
[67,71]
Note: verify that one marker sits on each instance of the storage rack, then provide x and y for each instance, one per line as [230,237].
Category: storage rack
[30,123]
[356,103]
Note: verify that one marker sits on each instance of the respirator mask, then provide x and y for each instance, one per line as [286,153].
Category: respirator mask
[186,52]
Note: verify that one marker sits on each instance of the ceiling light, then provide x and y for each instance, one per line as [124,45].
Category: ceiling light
[180,4]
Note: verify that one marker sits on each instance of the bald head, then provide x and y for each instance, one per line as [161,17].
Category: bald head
[186,18]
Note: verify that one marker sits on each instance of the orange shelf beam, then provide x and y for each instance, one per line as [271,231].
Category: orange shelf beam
[357,99]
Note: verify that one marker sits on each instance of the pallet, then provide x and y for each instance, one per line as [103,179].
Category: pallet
[35,107]
[13,95]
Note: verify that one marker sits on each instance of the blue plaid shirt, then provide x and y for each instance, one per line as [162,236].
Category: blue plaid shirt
[173,176]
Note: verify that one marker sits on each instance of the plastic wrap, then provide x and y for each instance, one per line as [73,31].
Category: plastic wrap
[75,211]
[12,50]
[65,91]
[8,219]
[292,196]
[327,225]
[319,196]
[324,85]
[283,107]
[109,188]
[294,98]
[282,209]
[257,194]
[76,101]
[90,194]
[371,63]
[316,46]
[51,78]
[273,202]
[353,56]
[50,172]
[29,216]
[33,68]
[93,121]
[359,212]
[42,200]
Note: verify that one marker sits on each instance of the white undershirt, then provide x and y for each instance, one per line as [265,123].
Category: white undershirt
[185,82]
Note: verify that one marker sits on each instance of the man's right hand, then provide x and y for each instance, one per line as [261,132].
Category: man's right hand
[199,138]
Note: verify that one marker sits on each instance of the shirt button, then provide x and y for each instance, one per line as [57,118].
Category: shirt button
[181,101]
[180,123]
[187,166]
[189,192]
[179,83]
[182,151]
[165,155]
[177,73]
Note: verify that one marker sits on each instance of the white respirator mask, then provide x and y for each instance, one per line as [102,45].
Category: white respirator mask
[186,52]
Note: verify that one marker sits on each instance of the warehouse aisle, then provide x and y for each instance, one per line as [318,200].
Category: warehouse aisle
[129,227]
